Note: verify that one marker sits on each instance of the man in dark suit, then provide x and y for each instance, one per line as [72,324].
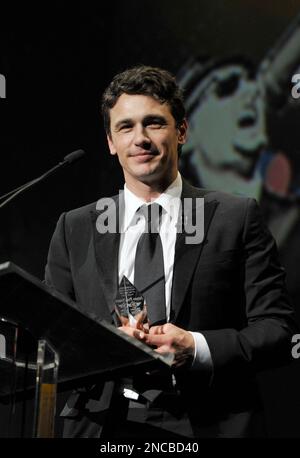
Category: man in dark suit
[219,306]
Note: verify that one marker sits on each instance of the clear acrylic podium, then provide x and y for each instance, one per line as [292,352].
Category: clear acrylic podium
[47,341]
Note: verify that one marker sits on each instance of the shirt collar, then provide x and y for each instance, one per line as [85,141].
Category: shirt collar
[169,200]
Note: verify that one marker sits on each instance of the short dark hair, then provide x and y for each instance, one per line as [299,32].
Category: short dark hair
[144,80]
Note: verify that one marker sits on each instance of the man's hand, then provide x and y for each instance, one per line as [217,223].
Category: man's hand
[133,331]
[167,338]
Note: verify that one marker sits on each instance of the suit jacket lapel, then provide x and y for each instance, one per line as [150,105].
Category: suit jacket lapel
[187,255]
[107,250]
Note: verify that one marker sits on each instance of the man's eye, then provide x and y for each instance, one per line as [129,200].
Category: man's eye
[125,128]
[156,124]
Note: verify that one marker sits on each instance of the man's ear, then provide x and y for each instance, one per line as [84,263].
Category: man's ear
[111,146]
[182,132]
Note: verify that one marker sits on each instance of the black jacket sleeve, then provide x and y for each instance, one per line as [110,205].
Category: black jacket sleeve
[266,340]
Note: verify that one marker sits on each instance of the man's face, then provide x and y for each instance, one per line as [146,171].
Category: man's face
[145,138]
[228,122]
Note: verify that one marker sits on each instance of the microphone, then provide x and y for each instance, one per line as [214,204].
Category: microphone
[74,156]
[68,159]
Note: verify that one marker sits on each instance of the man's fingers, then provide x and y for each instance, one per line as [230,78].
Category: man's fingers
[133,332]
[163,350]
[163,329]
[140,335]
[157,340]
[157,330]
[127,329]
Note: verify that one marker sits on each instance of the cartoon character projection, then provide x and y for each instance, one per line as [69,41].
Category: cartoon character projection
[227,102]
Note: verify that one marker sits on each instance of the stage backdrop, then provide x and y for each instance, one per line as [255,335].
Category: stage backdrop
[238,63]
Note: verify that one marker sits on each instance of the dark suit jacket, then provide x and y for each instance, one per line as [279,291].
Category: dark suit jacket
[230,287]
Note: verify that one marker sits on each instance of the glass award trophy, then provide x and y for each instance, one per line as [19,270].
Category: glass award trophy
[130,307]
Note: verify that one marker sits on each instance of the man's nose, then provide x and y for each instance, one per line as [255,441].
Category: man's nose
[141,138]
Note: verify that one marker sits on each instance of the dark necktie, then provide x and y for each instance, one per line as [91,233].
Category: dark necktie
[149,275]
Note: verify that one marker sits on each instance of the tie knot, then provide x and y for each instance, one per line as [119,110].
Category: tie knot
[152,214]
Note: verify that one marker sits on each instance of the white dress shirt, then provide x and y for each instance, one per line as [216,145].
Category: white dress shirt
[131,230]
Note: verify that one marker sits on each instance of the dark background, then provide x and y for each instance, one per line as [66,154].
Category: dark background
[57,59]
